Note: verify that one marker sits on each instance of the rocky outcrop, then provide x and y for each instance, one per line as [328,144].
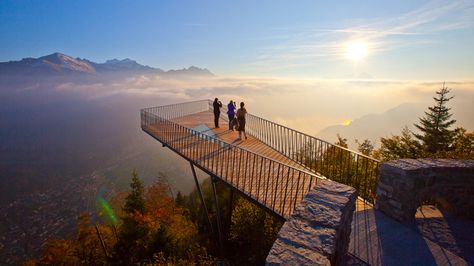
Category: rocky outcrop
[318,231]
[405,184]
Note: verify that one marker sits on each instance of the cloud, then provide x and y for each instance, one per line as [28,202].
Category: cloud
[305,46]
[304,104]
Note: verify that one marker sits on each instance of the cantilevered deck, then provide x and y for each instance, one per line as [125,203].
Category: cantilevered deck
[250,166]
[275,167]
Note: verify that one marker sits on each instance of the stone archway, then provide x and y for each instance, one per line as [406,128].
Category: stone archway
[405,183]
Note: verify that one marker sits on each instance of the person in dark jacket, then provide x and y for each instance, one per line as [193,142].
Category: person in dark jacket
[231,114]
[217,111]
[241,118]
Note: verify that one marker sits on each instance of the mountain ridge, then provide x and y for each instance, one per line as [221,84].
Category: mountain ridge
[62,64]
[385,124]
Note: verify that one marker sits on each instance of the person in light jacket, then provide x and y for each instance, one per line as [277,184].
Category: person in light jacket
[241,119]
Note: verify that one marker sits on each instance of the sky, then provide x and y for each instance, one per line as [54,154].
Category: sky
[396,40]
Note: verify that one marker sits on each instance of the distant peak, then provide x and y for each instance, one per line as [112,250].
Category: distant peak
[61,62]
[55,55]
[112,61]
[118,61]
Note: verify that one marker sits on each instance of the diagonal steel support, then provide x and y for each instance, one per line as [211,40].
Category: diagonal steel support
[231,207]
[202,198]
[219,231]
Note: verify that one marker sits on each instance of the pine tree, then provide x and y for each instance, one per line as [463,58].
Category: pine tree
[135,201]
[435,133]
[180,200]
[130,246]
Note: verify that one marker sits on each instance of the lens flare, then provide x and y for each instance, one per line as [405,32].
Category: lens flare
[107,210]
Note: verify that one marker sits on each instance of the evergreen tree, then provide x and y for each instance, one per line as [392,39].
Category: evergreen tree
[253,232]
[180,201]
[435,133]
[130,246]
[135,201]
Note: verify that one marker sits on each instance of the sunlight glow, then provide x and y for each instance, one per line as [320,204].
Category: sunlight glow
[347,122]
[356,50]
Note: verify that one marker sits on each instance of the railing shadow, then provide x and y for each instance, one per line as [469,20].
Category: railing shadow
[377,239]
[453,234]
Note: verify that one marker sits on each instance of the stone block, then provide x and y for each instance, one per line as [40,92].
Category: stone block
[318,231]
[283,254]
[387,188]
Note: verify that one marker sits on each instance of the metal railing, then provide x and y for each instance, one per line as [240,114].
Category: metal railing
[172,111]
[277,186]
[321,157]
[330,160]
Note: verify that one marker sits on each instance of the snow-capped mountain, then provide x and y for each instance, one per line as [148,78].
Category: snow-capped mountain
[56,63]
[63,63]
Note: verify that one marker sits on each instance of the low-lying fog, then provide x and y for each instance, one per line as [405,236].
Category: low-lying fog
[52,129]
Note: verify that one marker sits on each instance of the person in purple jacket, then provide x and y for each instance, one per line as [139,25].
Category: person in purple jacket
[231,114]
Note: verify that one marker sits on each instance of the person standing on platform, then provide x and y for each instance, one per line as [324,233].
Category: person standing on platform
[231,114]
[241,119]
[217,112]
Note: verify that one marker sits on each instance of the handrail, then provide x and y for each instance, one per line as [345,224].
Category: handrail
[182,138]
[313,137]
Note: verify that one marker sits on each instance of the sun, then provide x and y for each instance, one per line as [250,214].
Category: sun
[356,50]
[347,122]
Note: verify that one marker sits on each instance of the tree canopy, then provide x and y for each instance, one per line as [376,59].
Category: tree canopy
[436,134]
[435,139]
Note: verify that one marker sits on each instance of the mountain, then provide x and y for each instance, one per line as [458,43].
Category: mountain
[192,71]
[374,126]
[115,65]
[56,63]
[63,63]
[59,64]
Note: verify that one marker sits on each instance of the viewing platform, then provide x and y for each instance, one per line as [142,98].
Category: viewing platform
[275,167]
[288,173]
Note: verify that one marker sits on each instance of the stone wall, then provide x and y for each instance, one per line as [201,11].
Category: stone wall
[318,231]
[405,184]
